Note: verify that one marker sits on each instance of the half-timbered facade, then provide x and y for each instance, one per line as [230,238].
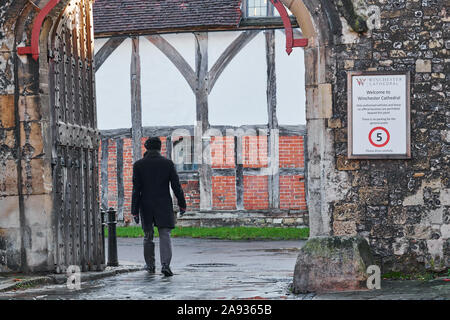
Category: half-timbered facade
[183,71]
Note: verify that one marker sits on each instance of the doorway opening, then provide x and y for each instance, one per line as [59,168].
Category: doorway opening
[235,86]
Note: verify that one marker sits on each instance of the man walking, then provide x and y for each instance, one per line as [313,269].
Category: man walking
[151,198]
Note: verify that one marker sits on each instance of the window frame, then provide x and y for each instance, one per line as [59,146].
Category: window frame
[269,10]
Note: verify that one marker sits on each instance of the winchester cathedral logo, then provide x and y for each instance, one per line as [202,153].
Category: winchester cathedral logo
[361,81]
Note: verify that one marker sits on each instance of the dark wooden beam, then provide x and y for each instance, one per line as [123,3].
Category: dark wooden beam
[136,104]
[202,146]
[230,52]
[271,90]
[169,147]
[120,184]
[251,23]
[238,162]
[165,131]
[177,59]
[106,50]
[273,145]
[266,22]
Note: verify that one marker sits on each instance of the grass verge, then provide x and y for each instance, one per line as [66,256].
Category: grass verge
[226,233]
[424,276]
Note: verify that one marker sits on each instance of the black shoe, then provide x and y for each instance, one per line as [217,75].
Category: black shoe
[149,269]
[166,271]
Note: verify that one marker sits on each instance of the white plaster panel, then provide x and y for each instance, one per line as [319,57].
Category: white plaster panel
[113,89]
[239,95]
[291,94]
[167,98]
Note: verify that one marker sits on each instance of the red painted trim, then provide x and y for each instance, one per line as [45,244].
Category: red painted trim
[34,48]
[290,41]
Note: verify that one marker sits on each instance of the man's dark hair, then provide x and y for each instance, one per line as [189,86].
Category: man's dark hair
[153,143]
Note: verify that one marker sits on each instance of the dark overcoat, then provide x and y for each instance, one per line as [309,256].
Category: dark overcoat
[151,195]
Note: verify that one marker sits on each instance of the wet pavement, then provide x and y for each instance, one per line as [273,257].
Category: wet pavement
[204,269]
[218,269]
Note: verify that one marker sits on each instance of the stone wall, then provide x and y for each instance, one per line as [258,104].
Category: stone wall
[402,207]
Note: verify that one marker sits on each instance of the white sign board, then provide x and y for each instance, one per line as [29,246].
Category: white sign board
[379,115]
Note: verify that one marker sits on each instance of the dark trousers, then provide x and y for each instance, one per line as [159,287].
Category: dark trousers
[165,246]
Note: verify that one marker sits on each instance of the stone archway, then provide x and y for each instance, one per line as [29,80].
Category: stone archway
[399,206]
[320,23]
[33,244]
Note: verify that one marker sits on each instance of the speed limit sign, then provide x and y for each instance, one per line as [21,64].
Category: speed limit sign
[379,115]
[379,137]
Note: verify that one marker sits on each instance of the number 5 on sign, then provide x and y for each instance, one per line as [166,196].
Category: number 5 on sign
[379,137]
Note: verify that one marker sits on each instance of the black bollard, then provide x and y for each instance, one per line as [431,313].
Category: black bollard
[112,238]
[102,214]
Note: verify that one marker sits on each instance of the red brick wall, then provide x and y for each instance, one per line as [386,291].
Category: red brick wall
[256,195]
[292,192]
[254,151]
[100,171]
[192,194]
[224,193]
[127,176]
[222,152]
[112,174]
[291,152]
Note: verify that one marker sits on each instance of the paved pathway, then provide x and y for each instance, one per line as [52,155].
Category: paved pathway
[216,269]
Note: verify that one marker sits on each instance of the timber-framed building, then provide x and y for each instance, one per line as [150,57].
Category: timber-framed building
[219,67]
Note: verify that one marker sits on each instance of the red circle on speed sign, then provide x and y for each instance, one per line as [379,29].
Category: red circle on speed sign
[388,137]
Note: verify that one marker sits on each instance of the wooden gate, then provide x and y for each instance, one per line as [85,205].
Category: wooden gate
[77,223]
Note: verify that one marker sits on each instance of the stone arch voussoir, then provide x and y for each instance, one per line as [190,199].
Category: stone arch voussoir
[320,23]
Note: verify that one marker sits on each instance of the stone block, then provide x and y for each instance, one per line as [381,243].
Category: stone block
[289,221]
[321,102]
[38,211]
[334,123]
[7,118]
[10,257]
[9,212]
[400,246]
[423,66]
[422,232]
[37,178]
[344,228]
[346,211]
[340,135]
[326,100]
[29,108]
[445,197]
[332,264]
[445,231]
[345,164]
[8,139]
[31,135]
[8,178]
[374,195]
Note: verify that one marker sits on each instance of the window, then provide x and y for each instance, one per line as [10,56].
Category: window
[257,8]
[260,8]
